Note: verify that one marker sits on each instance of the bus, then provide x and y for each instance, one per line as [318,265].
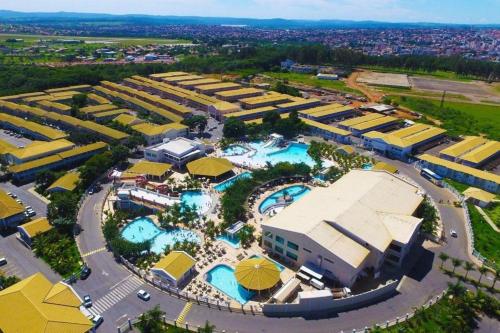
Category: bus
[432,177]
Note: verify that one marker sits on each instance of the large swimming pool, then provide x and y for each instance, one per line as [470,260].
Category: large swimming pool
[262,153]
[222,277]
[227,183]
[143,229]
[199,199]
[280,266]
[295,192]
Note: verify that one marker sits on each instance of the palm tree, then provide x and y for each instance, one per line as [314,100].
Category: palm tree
[456,289]
[468,266]
[444,257]
[208,328]
[456,263]
[482,270]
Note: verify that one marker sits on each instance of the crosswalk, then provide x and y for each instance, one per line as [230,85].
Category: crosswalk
[182,316]
[93,251]
[116,294]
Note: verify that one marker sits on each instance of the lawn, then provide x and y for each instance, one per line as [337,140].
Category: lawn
[460,187]
[437,74]
[486,240]
[458,118]
[494,213]
[417,93]
[311,80]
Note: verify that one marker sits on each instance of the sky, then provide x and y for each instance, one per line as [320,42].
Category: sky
[442,11]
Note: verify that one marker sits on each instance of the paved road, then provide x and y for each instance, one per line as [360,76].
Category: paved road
[113,287]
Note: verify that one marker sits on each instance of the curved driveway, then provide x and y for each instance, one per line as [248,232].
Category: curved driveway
[112,287]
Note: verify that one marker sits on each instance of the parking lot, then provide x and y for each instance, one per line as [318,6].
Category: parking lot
[27,198]
[14,139]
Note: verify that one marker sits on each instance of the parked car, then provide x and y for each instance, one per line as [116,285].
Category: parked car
[97,320]
[85,272]
[87,301]
[453,233]
[3,261]
[144,295]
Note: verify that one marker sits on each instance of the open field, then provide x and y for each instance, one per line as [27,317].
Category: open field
[419,93]
[494,213]
[474,88]
[457,117]
[311,80]
[96,40]
[384,79]
[436,74]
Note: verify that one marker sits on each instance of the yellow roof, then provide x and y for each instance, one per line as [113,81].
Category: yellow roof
[257,274]
[373,123]
[264,109]
[269,98]
[209,166]
[38,148]
[460,168]
[477,193]
[462,147]
[346,148]
[83,149]
[149,129]
[8,206]
[300,102]
[362,119]
[407,136]
[76,87]
[216,86]
[35,227]
[150,168]
[481,153]
[98,99]
[127,119]
[109,113]
[6,147]
[54,105]
[35,164]
[176,264]
[179,78]
[238,92]
[98,108]
[325,127]
[67,182]
[45,131]
[39,93]
[199,82]
[224,107]
[168,74]
[34,305]
[385,166]
[104,130]
[322,108]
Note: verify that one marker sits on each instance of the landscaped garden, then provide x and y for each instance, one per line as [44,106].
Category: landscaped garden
[486,240]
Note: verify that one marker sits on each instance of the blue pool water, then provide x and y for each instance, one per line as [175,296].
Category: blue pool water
[199,199]
[222,277]
[261,155]
[280,266]
[225,184]
[143,229]
[367,166]
[235,150]
[295,191]
[232,241]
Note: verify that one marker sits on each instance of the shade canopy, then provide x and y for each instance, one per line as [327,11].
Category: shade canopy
[209,167]
[257,274]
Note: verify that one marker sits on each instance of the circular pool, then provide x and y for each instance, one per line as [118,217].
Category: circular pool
[283,197]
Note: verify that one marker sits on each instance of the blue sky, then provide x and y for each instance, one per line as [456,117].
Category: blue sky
[444,11]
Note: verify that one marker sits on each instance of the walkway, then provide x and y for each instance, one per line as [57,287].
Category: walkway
[487,219]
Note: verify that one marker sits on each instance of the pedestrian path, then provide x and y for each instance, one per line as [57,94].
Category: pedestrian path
[93,252]
[116,294]
[182,316]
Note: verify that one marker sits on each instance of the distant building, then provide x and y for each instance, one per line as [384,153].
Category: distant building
[177,152]
[331,77]
[473,151]
[150,57]
[157,133]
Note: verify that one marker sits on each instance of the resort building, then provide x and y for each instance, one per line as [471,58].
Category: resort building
[36,305]
[479,197]
[175,269]
[177,152]
[219,109]
[270,99]
[487,181]
[473,151]
[33,228]
[298,104]
[25,172]
[327,132]
[11,212]
[104,117]
[250,114]
[328,112]
[234,95]
[211,167]
[210,89]
[80,88]
[98,108]
[128,120]
[159,76]
[157,133]
[48,105]
[180,78]
[30,129]
[354,232]
[66,183]
[405,142]
[367,123]
[150,170]
[38,149]
[190,84]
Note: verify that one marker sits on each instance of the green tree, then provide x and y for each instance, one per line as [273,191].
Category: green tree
[468,266]
[482,271]
[208,328]
[444,257]
[79,100]
[151,321]
[456,263]
[234,128]
[62,206]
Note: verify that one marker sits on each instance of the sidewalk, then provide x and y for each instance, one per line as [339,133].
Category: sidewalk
[487,218]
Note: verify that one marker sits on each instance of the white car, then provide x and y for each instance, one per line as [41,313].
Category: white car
[97,320]
[144,295]
[453,233]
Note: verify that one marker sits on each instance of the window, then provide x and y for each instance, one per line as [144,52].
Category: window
[268,244]
[291,255]
[307,250]
[328,260]
[268,234]
[395,247]
[280,240]
[293,246]
[278,249]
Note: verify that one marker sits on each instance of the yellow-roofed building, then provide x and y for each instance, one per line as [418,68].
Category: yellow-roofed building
[35,305]
[175,269]
[128,120]
[37,150]
[157,133]
[152,170]
[66,183]
[473,151]
[478,197]
[210,167]
[33,228]
[11,212]
[6,147]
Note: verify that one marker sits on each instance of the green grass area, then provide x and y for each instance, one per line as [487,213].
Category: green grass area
[311,80]
[436,74]
[418,93]
[460,187]
[458,118]
[486,240]
[493,211]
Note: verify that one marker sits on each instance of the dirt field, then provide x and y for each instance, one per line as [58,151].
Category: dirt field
[384,79]
[467,88]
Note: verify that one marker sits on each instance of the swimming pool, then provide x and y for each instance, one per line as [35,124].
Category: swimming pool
[232,241]
[295,192]
[235,150]
[227,183]
[143,229]
[222,277]
[280,266]
[367,166]
[199,199]
[262,154]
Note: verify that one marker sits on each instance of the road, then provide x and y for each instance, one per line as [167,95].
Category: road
[113,287]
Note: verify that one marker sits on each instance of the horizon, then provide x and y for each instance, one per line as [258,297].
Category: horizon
[384,11]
